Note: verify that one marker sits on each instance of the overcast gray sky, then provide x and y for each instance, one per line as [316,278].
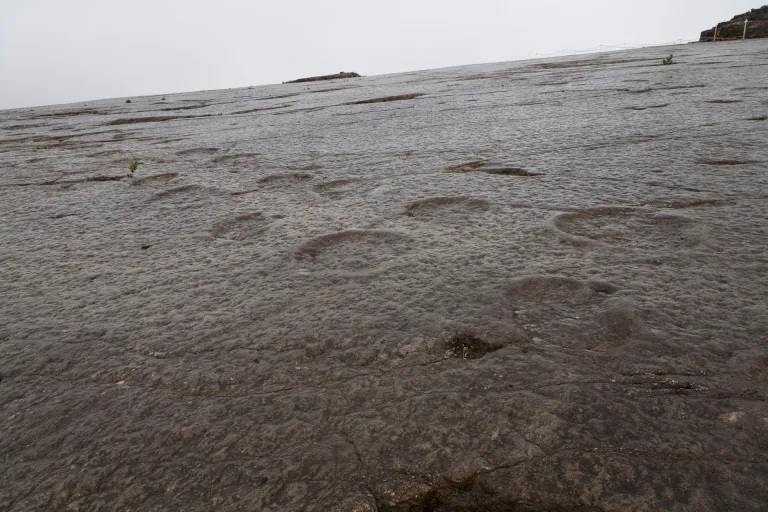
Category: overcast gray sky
[59,51]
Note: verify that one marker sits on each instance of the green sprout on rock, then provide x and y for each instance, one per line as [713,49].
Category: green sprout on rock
[667,60]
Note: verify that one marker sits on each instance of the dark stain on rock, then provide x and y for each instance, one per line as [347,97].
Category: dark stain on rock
[185,107]
[480,166]
[387,98]
[727,162]
[324,77]
[465,345]
[722,101]
[662,105]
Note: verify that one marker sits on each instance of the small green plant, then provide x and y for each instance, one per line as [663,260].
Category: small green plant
[134,165]
[667,60]
[127,101]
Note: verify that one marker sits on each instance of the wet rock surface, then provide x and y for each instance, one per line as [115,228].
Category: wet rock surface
[523,290]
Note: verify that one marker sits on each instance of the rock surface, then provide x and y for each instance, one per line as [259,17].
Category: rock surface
[526,286]
[757,26]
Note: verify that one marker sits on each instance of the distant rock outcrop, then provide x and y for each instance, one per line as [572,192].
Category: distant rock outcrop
[324,77]
[757,26]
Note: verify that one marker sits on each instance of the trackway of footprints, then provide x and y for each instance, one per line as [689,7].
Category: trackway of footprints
[651,224]
[360,252]
[355,251]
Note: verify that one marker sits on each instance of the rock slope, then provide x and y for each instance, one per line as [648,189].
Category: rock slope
[526,286]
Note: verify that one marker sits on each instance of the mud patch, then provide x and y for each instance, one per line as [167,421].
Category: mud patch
[464,345]
[385,99]
[135,120]
[66,183]
[682,203]
[662,105]
[481,166]
[680,87]
[22,126]
[509,171]
[354,250]
[186,107]
[436,207]
[73,113]
[635,139]
[94,179]
[154,179]
[242,227]
[727,162]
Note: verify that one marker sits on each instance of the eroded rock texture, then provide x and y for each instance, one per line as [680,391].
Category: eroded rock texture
[530,286]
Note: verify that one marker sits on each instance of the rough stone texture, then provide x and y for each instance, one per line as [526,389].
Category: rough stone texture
[757,26]
[536,286]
